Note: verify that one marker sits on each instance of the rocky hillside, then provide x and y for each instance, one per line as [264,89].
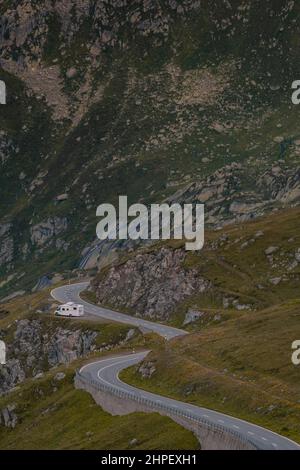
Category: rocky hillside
[39,406]
[39,343]
[150,284]
[245,266]
[142,98]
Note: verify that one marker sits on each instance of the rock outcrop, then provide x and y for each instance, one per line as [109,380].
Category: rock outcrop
[151,285]
[225,201]
[45,231]
[8,416]
[6,244]
[33,348]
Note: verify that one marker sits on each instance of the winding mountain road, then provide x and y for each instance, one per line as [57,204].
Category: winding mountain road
[71,293]
[106,371]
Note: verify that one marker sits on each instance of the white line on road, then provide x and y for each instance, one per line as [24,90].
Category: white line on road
[74,292]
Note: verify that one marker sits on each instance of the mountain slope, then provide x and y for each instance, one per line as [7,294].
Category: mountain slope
[139,98]
[245,266]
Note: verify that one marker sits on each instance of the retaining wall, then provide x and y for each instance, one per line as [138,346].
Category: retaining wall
[117,402]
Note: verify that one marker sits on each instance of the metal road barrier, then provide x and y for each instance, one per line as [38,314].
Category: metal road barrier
[157,406]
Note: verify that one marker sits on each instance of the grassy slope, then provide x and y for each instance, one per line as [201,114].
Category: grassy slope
[242,368]
[245,271]
[234,261]
[241,362]
[53,415]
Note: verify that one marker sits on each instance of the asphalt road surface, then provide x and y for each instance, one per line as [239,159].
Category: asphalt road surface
[71,293]
[107,371]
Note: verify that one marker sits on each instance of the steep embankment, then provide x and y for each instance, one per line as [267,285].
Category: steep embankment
[48,413]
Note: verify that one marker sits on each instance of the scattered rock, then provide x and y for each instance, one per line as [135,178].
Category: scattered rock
[272,249]
[133,442]
[259,234]
[11,374]
[62,197]
[8,416]
[60,376]
[147,369]
[192,316]
[297,255]
[275,280]
[39,375]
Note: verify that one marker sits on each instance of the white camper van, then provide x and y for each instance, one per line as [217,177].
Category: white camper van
[70,309]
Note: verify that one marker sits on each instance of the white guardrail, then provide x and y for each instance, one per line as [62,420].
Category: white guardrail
[157,406]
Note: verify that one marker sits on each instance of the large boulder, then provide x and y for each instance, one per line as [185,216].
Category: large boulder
[150,284]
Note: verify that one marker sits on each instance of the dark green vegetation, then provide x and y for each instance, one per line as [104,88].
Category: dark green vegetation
[103,103]
[160,109]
